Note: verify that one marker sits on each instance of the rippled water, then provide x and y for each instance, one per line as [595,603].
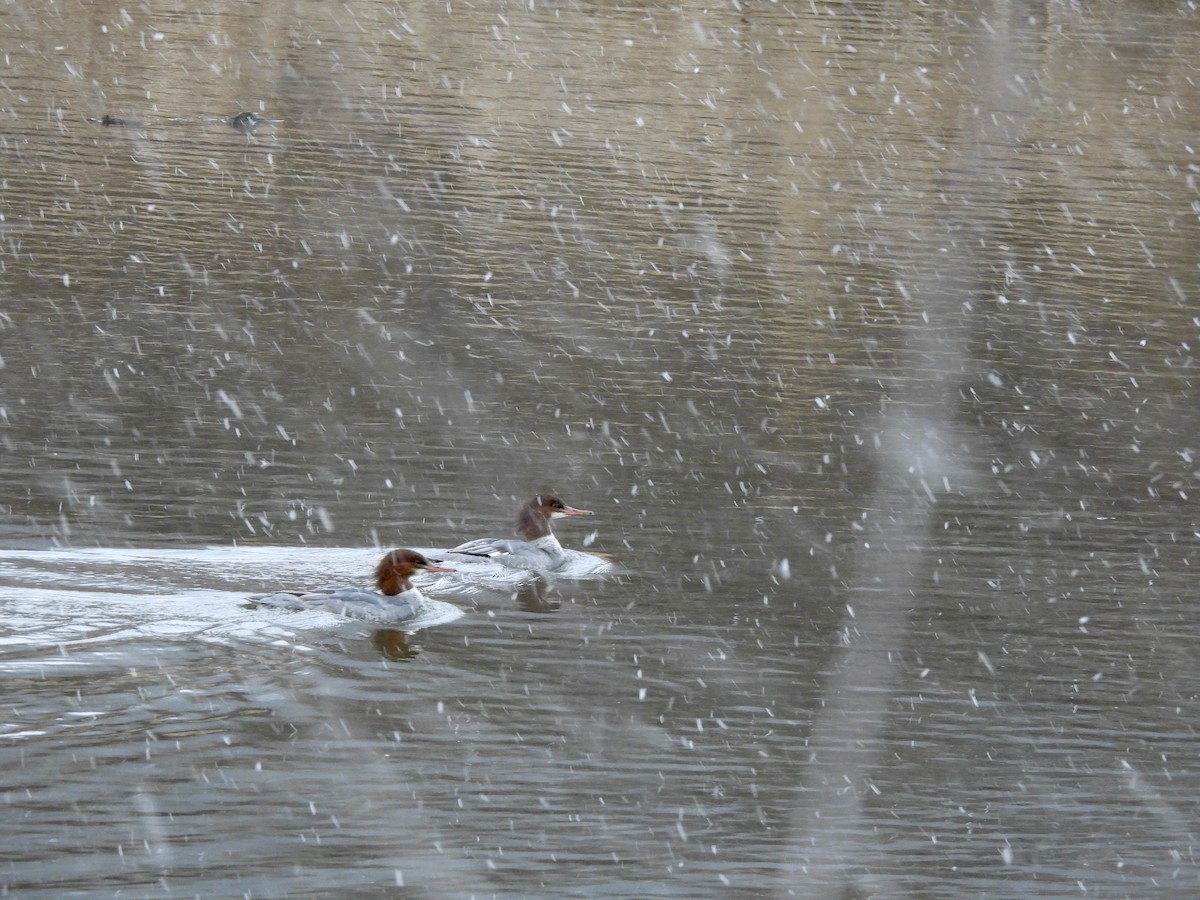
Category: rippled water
[866,330]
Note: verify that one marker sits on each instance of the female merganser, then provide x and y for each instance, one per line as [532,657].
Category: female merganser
[395,601]
[540,550]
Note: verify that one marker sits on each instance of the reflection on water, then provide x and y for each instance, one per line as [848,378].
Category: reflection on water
[393,644]
[866,329]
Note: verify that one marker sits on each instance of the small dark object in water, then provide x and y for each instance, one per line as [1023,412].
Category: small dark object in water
[115,122]
[246,121]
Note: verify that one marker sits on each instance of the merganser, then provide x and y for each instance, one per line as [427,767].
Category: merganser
[246,122]
[396,600]
[540,550]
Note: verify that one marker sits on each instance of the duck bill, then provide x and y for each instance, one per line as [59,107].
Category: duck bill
[436,568]
[572,511]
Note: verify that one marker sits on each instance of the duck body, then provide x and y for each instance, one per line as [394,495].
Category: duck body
[544,554]
[351,602]
[395,601]
[538,550]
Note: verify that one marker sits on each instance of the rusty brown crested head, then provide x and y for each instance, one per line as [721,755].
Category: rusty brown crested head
[397,566]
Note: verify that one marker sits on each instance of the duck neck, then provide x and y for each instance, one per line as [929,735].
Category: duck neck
[393,583]
[390,576]
[531,524]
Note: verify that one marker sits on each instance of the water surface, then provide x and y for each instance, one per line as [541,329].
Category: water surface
[866,329]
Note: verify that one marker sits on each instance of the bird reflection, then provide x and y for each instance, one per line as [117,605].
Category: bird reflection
[394,644]
[537,597]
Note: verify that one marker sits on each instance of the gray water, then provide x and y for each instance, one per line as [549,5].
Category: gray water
[865,329]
